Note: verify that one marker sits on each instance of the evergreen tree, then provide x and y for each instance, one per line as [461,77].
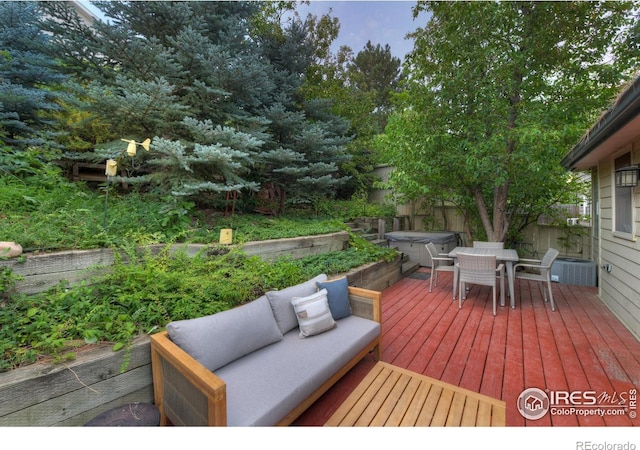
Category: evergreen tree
[166,61]
[29,79]
[361,88]
[213,162]
[303,158]
[376,71]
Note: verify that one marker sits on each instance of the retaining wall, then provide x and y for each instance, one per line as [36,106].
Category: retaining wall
[43,271]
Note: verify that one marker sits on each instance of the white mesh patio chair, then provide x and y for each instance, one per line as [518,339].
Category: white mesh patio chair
[485,244]
[440,262]
[538,270]
[479,270]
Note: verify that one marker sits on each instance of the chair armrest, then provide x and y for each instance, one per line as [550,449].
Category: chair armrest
[442,259]
[531,266]
[529,261]
[185,392]
[366,303]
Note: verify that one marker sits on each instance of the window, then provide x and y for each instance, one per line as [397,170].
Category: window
[623,201]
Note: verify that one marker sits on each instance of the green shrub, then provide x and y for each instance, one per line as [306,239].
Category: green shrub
[143,291]
[43,211]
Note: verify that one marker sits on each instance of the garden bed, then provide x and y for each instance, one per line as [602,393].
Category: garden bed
[73,392]
[43,271]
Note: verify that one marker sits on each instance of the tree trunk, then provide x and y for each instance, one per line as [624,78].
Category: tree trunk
[283,198]
[483,211]
[500,220]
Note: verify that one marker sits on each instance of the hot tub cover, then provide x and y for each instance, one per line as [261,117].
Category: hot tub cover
[421,237]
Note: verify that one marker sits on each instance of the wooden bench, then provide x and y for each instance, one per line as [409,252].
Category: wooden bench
[81,171]
[392,396]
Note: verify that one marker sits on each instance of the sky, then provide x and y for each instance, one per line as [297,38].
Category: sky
[381,22]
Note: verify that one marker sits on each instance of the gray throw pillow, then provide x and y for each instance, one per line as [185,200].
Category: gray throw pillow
[314,316]
[221,338]
[281,302]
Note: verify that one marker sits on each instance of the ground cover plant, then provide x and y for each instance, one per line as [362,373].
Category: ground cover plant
[52,214]
[43,211]
[143,291]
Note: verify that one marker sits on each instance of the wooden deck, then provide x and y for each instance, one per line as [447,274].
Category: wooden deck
[580,347]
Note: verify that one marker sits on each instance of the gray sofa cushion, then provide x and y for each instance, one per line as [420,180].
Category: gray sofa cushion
[281,302]
[264,386]
[220,338]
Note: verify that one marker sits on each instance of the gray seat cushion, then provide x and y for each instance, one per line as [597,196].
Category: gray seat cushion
[244,329]
[264,386]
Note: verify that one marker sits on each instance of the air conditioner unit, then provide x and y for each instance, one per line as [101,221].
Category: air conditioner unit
[581,272]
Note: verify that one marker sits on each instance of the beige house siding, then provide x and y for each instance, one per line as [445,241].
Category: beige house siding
[620,288]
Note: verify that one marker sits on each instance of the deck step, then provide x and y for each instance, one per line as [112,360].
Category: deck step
[380,242]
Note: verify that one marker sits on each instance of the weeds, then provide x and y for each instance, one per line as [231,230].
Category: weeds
[144,291]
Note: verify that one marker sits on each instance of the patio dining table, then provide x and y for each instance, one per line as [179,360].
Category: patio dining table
[505,255]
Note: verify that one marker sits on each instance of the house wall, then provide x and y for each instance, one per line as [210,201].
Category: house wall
[619,288]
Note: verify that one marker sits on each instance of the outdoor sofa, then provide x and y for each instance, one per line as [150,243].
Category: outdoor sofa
[261,364]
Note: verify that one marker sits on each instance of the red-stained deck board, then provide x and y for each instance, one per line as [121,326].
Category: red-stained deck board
[494,348]
[513,382]
[596,356]
[461,361]
[532,355]
[593,375]
[581,346]
[404,335]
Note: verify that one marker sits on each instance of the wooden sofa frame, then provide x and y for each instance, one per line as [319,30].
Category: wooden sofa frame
[172,364]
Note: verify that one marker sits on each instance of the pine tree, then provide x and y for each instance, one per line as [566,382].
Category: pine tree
[213,162]
[153,64]
[28,78]
[302,161]
[375,70]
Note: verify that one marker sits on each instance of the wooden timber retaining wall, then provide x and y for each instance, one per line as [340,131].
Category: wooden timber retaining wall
[72,393]
[43,271]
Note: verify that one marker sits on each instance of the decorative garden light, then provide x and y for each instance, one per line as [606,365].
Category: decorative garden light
[111,168]
[131,148]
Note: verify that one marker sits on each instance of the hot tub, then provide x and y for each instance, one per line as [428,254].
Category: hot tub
[411,243]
